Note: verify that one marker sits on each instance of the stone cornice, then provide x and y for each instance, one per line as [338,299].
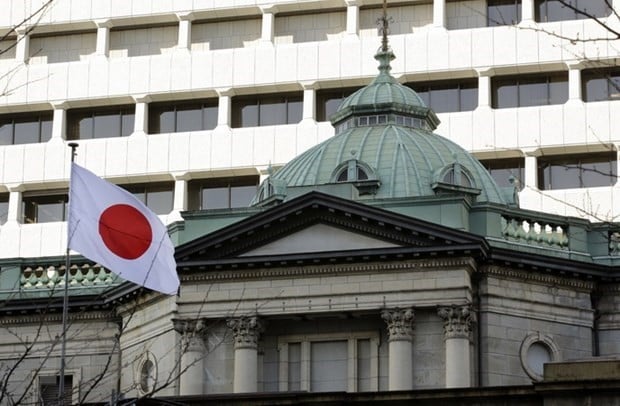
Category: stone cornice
[259,273]
[547,279]
[18,319]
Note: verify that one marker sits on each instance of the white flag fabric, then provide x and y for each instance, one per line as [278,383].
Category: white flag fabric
[109,225]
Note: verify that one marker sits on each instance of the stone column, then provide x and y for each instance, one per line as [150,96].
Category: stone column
[22,49]
[268,24]
[185,30]
[193,351]
[527,10]
[439,13]
[400,338]
[224,105]
[574,82]
[246,331]
[141,117]
[59,122]
[309,106]
[457,328]
[353,17]
[484,87]
[103,37]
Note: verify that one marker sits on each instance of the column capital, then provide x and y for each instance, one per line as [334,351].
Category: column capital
[457,320]
[192,331]
[141,98]
[246,331]
[225,91]
[399,323]
[186,16]
[104,23]
[268,9]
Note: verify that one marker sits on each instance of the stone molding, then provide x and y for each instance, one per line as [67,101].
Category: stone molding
[192,331]
[457,320]
[57,318]
[246,331]
[399,323]
[547,279]
[262,273]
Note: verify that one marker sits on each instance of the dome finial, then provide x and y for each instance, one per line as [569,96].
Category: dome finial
[384,54]
[384,28]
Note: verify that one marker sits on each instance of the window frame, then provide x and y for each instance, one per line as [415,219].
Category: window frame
[505,164]
[545,163]
[153,187]
[40,118]
[610,74]
[306,340]
[519,81]
[158,108]
[197,186]
[75,116]
[425,89]
[76,378]
[539,17]
[323,96]
[34,217]
[258,100]
[517,12]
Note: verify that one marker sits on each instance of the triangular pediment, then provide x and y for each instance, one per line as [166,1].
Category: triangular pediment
[319,238]
[319,227]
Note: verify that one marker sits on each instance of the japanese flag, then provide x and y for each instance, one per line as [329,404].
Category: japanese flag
[110,226]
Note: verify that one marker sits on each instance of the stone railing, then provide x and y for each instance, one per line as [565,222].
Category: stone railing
[535,232]
[53,277]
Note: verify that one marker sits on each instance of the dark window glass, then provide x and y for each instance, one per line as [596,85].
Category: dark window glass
[577,171]
[601,84]
[44,208]
[25,128]
[555,10]
[529,90]
[328,101]
[4,207]
[222,193]
[503,12]
[159,197]
[448,96]
[265,110]
[503,169]
[182,116]
[49,387]
[104,122]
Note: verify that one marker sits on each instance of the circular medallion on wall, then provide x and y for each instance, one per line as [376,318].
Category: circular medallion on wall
[146,373]
[536,350]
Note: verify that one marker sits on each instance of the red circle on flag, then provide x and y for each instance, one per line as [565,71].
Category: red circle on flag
[125,231]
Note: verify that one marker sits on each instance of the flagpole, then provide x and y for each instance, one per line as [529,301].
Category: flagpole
[65,303]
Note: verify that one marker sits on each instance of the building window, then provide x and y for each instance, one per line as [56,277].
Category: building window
[502,170]
[329,368]
[328,101]
[25,128]
[262,110]
[159,197]
[529,90]
[4,207]
[44,207]
[556,10]
[182,116]
[206,194]
[577,171]
[49,390]
[104,122]
[503,12]
[600,84]
[448,96]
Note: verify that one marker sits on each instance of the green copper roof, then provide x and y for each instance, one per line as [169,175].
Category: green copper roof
[385,147]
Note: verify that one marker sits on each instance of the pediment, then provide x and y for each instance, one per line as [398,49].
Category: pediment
[319,238]
[316,227]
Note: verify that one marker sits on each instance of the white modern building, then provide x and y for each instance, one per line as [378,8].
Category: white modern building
[368,256]
[189,103]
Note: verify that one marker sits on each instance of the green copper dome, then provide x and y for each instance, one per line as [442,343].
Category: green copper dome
[384,146]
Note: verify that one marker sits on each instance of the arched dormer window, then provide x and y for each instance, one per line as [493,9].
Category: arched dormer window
[360,174]
[454,178]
